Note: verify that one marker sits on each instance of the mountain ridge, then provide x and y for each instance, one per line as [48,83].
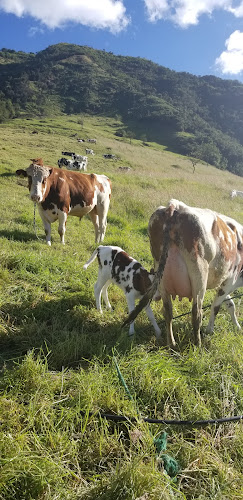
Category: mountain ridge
[200,116]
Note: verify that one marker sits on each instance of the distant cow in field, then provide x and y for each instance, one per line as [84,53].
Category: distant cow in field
[124,169]
[236,193]
[59,193]
[92,140]
[194,249]
[62,162]
[89,151]
[116,266]
[73,164]
[80,158]
[67,153]
[109,156]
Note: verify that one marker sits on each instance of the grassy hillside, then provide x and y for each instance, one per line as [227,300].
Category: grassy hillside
[197,116]
[57,352]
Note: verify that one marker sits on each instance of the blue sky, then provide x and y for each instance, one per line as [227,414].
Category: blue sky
[198,36]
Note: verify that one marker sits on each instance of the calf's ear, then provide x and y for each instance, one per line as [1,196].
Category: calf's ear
[21,173]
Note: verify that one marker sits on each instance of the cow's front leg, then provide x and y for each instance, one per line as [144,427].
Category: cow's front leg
[62,218]
[47,227]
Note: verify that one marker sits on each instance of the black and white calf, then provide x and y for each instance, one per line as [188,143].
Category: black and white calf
[116,266]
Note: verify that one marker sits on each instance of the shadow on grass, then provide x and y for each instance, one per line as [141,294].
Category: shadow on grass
[70,330]
[17,235]
[8,174]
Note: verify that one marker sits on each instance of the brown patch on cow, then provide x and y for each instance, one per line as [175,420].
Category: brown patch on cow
[227,239]
[221,292]
[37,161]
[141,281]
[190,233]
[68,189]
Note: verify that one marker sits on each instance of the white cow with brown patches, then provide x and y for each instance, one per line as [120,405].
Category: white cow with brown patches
[194,249]
[116,266]
[59,193]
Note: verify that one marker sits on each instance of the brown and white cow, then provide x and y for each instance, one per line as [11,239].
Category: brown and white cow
[194,249]
[116,266]
[59,193]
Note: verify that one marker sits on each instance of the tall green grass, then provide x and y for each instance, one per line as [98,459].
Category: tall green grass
[57,351]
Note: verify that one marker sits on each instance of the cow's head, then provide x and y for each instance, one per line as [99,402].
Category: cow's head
[37,175]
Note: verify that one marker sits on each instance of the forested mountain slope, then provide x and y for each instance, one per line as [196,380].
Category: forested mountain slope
[198,116]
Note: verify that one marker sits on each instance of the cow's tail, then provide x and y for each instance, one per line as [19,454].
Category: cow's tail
[146,299]
[91,259]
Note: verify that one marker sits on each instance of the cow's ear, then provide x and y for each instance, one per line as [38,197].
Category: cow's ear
[21,173]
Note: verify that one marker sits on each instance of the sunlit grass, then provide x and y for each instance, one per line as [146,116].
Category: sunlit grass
[57,350]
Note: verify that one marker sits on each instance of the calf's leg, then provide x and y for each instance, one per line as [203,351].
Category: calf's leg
[131,305]
[100,289]
[151,317]
[222,294]
[105,294]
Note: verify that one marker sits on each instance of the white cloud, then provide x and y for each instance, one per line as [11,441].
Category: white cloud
[231,60]
[35,30]
[187,12]
[102,14]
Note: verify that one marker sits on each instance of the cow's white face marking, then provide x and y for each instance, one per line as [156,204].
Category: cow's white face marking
[38,174]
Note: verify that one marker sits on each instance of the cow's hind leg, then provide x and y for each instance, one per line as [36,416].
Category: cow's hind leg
[168,315]
[100,289]
[105,294]
[198,276]
[95,219]
[62,218]
[102,210]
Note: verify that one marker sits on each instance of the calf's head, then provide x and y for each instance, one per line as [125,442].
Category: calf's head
[37,175]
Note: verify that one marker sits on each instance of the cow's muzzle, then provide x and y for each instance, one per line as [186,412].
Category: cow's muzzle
[35,197]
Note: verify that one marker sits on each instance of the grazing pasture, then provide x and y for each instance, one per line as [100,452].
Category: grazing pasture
[57,351]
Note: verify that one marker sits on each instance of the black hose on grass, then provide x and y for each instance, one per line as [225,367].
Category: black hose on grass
[189,423]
